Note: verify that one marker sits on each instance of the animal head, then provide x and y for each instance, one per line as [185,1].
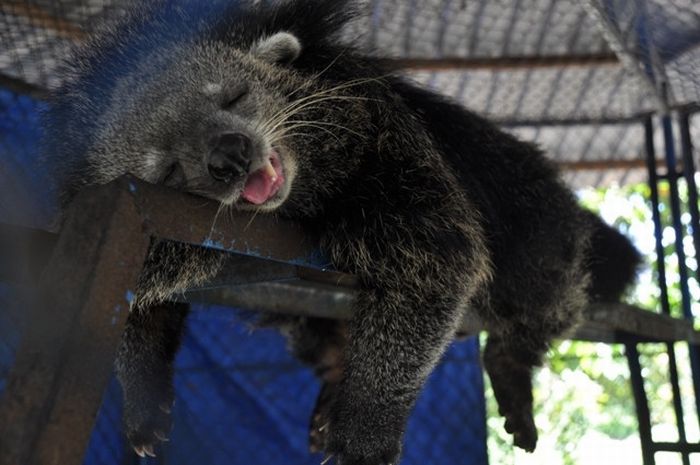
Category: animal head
[233,120]
[209,121]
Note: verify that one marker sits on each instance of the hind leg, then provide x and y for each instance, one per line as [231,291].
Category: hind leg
[320,343]
[145,370]
[509,361]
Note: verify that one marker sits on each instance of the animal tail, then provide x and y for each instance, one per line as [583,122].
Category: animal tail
[613,262]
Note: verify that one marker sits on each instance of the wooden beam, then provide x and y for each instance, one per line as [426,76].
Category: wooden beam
[602,165]
[637,118]
[502,63]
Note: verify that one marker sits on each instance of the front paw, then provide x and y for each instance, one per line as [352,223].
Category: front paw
[148,423]
[362,434]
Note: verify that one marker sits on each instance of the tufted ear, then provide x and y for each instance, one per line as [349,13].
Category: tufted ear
[281,47]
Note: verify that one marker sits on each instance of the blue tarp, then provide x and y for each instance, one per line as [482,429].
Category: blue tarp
[242,399]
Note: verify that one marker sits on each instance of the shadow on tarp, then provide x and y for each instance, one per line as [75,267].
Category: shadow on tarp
[242,399]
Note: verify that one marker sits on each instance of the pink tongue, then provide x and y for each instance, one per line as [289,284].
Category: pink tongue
[261,185]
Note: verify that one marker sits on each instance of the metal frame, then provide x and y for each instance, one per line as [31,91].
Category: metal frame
[67,352]
[645,63]
[672,175]
[68,349]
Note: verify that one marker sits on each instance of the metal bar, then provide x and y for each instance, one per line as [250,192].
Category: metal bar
[606,323]
[656,215]
[309,296]
[674,198]
[241,269]
[66,355]
[19,86]
[501,63]
[676,397]
[640,401]
[686,299]
[689,175]
[633,357]
[635,322]
[682,447]
[295,297]
[610,321]
[603,322]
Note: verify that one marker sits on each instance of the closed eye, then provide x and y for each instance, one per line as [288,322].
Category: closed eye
[235,98]
[174,176]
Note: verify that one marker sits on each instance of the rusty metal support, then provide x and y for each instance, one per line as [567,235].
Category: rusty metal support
[68,349]
[502,63]
[604,164]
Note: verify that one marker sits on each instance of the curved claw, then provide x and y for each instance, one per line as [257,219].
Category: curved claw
[327,459]
[148,450]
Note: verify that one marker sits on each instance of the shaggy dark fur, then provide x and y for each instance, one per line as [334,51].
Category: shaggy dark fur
[433,208]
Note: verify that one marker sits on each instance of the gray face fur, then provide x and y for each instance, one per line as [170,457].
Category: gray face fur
[165,119]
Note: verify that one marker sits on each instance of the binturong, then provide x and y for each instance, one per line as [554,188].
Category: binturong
[262,107]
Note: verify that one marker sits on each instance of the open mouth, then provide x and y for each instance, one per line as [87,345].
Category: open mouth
[263,184]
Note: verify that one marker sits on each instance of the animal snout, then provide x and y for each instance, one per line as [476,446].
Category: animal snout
[230,157]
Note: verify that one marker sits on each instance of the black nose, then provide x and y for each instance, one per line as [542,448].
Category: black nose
[230,157]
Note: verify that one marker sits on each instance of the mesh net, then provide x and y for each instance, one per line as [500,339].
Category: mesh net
[584,70]
[573,76]
[242,399]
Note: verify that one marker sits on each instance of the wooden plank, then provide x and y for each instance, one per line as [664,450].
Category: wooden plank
[604,164]
[502,62]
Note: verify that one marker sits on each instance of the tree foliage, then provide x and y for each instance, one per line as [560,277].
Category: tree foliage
[583,395]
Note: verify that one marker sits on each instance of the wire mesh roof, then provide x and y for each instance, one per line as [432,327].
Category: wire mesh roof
[572,75]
